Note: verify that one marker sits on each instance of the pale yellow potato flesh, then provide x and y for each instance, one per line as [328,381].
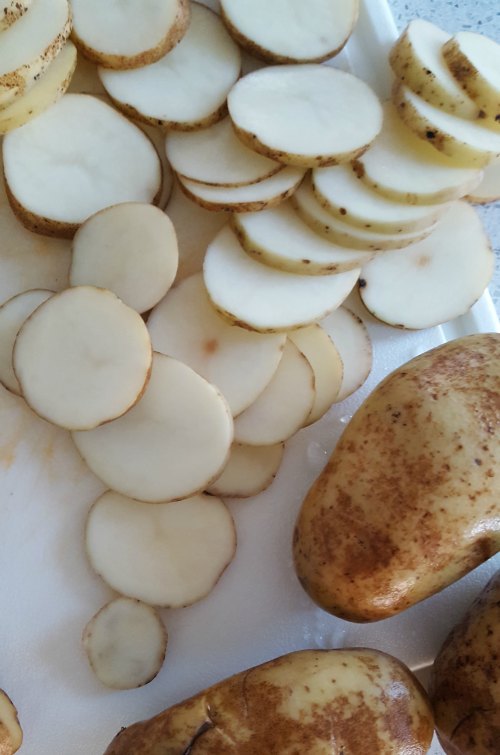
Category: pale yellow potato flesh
[11,734]
[352,341]
[249,471]
[474,60]
[489,188]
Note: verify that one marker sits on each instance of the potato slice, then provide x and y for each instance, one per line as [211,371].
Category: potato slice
[250,198]
[249,471]
[130,249]
[321,353]
[128,35]
[11,11]
[281,112]
[158,138]
[264,299]
[13,314]
[342,194]
[279,238]
[291,32]
[82,358]
[125,643]
[352,341]
[240,363]
[164,554]
[197,74]
[75,159]
[433,281]
[401,166]
[11,734]
[283,407]
[474,60]
[489,188]
[172,444]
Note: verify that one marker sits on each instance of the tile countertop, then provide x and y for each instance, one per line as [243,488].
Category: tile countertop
[453,15]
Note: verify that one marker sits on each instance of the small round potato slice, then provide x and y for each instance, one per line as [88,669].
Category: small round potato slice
[82,358]
[125,643]
[163,554]
[11,11]
[474,60]
[352,341]
[11,734]
[249,471]
[489,188]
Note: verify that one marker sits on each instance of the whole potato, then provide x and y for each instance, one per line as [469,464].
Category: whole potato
[313,702]
[465,681]
[409,501]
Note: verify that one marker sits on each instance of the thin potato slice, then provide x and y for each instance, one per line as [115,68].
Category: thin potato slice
[130,249]
[283,407]
[489,188]
[171,445]
[281,112]
[474,60]
[11,734]
[125,643]
[167,183]
[353,343]
[433,281]
[197,74]
[249,471]
[264,299]
[82,358]
[11,11]
[164,554]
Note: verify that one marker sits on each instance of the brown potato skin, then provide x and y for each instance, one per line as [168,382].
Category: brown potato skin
[465,682]
[409,501]
[313,702]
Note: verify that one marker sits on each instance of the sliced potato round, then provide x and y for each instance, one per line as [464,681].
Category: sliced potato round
[250,198]
[158,138]
[172,444]
[281,112]
[11,734]
[354,346]
[75,159]
[489,188]
[13,314]
[128,35]
[164,554]
[474,60]
[279,238]
[240,363]
[125,643]
[283,407]
[11,11]
[249,471]
[321,353]
[130,249]
[433,281]
[264,299]
[197,74]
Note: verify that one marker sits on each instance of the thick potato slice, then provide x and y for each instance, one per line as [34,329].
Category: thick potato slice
[249,471]
[489,188]
[279,238]
[164,554]
[128,35]
[474,60]
[283,407]
[130,249]
[13,314]
[11,11]
[240,363]
[311,701]
[353,344]
[264,299]
[389,522]
[82,358]
[75,159]
[172,444]
[125,643]
[197,74]
[281,112]
[11,734]
[435,280]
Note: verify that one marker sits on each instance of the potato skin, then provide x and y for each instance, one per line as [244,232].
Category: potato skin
[409,501]
[319,702]
[465,682]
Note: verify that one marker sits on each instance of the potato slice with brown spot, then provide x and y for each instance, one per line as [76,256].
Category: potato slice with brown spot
[11,734]
[474,60]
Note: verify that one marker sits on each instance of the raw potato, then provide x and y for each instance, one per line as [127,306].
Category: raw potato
[75,159]
[240,363]
[281,112]
[464,688]
[249,471]
[13,314]
[312,701]
[418,451]
[352,341]
[82,358]
[489,188]
[11,11]
[125,643]
[474,60]
[158,138]
[260,298]
[435,280]
[283,407]
[197,74]
[11,734]
[130,249]
[171,445]
[128,35]
[164,554]
[279,238]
